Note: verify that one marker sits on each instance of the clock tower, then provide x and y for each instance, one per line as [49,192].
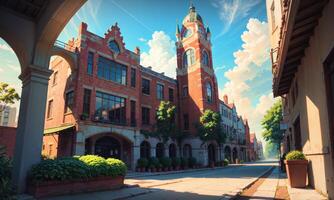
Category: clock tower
[197,83]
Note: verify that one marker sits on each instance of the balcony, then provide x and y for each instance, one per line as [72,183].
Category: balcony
[299,18]
[107,120]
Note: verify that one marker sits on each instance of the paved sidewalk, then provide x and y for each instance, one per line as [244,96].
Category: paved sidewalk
[267,189]
[300,193]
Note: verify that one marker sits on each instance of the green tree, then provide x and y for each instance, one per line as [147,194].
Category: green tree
[271,150]
[271,124]
[165,127]
[209,127]
[8,95]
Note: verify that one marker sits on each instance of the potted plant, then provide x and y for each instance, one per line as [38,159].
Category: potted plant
[154,163]
[296,165]
[142,163]
[166,163]
[176,162]
[192,162]
[84,116]
[225,162]
[184,163]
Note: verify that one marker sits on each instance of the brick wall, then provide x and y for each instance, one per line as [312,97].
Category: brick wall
[7,139]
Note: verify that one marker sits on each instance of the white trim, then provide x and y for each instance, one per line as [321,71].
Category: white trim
[146,106]
[88,87]
[145,77]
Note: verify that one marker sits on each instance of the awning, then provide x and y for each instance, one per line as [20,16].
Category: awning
[58,128]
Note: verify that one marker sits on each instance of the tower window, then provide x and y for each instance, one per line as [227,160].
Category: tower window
[188,58]
[205,58]
[187,33]
[208,92]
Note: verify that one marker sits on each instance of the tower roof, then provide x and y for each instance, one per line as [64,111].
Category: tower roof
[192,16]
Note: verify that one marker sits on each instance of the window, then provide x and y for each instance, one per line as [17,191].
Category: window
[110,108]
[185,91]
[114,46]
[188,58]
[145,150]
[272,13]
[50,150]
[160,92]
[187,151]
[86,101]
[171,94]
[133,112]
[55,76]
[160,150]
[69,101]
[208,92]
[187,33]
[50,107]
[90,63]
[145,86]
[186,121]
[145,116]
[133,77]
[111,70]
[205,58]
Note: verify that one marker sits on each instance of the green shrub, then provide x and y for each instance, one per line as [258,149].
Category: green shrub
[154,162]
[165,161]
[295,155]
[117,167]
[176,162]
[142,162]
[184,162]
[73,168]
[192,162]
[226,162]
[6,189]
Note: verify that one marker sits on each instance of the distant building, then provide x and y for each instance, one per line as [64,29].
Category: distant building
[8,116]
[259,151]
[253,147]
[302,41]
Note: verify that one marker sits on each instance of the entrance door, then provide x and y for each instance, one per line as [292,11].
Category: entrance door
[211,153]
[329,80]
[108,147]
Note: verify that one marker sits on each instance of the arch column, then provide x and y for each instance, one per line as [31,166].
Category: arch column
[80,144]
[29,136]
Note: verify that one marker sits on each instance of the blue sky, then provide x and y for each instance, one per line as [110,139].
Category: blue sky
[239,42]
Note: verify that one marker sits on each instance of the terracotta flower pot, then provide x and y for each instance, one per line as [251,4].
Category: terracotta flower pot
[297,172]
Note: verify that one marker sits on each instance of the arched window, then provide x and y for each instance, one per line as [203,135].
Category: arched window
[188,58]
[172,150]
[205,58]
[187,151]
[208,92]
[160,150]
[145,150]
[108,147]
[114,46]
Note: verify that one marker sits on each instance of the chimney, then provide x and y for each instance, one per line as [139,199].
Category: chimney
[149,67]
[137,51]
[225,99]
[82,28]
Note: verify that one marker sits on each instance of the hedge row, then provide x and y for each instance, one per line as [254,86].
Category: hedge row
[72,168]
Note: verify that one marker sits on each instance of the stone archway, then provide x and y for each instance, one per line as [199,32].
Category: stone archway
[172,150]
[235,155]
[160,150]
[108,147]
[211,153]
[227,153]
[145,150]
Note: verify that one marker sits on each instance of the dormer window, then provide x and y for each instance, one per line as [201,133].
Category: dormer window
[114,46]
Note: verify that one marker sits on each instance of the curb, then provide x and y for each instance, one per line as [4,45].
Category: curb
[235,197]
[181,171]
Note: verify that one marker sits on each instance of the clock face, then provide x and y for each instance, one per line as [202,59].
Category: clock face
[187,33]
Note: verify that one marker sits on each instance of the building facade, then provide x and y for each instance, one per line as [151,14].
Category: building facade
[101,101]
[8,116]
[302,40]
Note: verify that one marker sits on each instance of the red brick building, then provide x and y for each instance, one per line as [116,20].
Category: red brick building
[100,97]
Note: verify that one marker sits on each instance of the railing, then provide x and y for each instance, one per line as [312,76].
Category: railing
[64,45]
[106,120]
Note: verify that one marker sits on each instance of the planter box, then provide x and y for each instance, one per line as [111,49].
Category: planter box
[296,172]
[52,188]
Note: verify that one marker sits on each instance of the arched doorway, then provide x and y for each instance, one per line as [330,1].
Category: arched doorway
[235,154]
[108,147]
[187,151]
[172,150]
[145,150]
[211,153]
[227,153]
[160,150]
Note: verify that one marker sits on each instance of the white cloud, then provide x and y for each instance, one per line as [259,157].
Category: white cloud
[250,60]
[1,70]
[14,67]
[142,39]
[161,55]
[5,47]
[232,10]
